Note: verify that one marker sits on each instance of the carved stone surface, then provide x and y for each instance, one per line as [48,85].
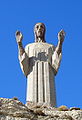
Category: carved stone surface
[39,62]
[11,109]
[41,77]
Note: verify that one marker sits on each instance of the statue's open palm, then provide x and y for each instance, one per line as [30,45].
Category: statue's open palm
[61,35]
[19,36]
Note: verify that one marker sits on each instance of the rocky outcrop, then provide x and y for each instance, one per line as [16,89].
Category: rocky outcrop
[13,109]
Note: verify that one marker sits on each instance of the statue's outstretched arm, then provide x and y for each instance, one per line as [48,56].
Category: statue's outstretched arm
[19,38]
[23,57]
[57,55]
[61,36]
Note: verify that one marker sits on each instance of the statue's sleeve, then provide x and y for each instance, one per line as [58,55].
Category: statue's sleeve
[24,63]
[56,59]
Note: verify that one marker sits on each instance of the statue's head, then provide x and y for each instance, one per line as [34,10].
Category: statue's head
[39,31]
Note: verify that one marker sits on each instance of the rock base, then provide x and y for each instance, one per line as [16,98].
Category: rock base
[13,109]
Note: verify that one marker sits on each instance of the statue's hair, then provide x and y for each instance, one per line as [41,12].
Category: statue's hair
[36,40]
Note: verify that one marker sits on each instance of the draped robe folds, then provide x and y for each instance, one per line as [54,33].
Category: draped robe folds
[40,63]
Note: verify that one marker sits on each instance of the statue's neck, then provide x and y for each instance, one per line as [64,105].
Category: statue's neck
[39,39]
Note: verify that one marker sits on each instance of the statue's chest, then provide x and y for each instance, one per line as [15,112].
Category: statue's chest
[40,52]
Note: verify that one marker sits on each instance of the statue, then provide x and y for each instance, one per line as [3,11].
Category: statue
[39,62]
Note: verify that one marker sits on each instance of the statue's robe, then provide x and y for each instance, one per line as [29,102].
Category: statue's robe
[40,63]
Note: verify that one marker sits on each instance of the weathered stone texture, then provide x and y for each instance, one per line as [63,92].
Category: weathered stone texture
[41,87]
[11,109]
[40,62]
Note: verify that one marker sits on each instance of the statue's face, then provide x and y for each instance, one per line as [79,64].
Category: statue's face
[39,29]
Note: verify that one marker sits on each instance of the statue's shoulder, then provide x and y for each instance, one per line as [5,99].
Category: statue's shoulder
[50,45]
[29,45]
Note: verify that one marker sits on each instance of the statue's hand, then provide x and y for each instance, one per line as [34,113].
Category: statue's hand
[19,37]
[61,36]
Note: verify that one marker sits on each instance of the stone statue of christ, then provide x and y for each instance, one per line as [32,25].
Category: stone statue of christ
[39,62]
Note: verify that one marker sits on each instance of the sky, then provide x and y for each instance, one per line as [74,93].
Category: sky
[56,15]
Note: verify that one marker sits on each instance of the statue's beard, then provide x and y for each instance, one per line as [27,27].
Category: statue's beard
[40,34]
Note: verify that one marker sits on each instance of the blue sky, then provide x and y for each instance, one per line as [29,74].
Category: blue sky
[55,14]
